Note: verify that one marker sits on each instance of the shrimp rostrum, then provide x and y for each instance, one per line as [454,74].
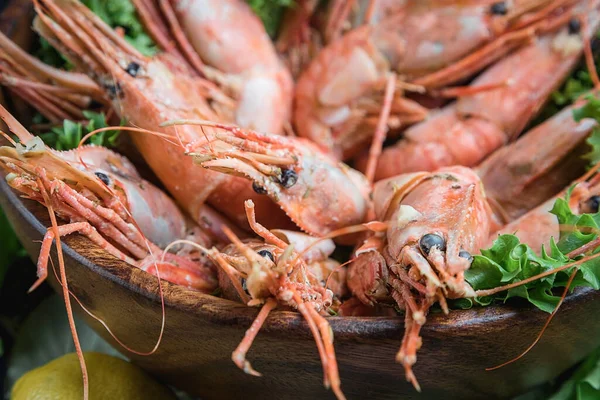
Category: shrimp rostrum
[101,196]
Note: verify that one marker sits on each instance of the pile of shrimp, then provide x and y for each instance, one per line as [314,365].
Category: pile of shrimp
[270,153]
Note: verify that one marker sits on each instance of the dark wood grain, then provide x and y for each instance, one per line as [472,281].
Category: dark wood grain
[201,332]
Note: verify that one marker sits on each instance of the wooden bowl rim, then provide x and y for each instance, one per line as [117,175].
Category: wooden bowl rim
[223,311]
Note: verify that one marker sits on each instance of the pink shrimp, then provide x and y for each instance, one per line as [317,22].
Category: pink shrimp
[293,172]
[227,43]
[101,196]
[435,221]
[146,92]
[536,227]
[339,96]
[465,132]
[273,274]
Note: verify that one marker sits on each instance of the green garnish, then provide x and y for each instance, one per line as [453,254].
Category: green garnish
[270,12]
[577,84]
[509,261]
[117,14]
[584,384]
[69,135]
[122,14]
[591,109]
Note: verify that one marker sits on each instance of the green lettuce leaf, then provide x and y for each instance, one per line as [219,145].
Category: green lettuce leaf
[116,13]
[584,384]
[591,109]
[509,261]
[270,12]
[578,83]
[69,135]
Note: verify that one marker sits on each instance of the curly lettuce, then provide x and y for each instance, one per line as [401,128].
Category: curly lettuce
[509,261]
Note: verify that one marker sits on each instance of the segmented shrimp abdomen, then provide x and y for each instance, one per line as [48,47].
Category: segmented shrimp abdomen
[426,37]
[229,37]
[226,34]
[443,140]
[530,75]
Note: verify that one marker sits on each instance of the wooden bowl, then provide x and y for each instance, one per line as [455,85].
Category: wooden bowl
[202,331]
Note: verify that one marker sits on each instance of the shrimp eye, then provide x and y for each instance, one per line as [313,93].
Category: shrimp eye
[574,26]
[258,189]
[103,177]
[133,68]
[594,204]
[499,8]
[431,240]
[266,254]
[288,178]
[114,90]
[465,254]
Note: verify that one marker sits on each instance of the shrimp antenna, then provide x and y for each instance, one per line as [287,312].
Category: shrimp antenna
[587,51]
[380,131]
[373,226]
[339,13]
[105,325]
[146,243]
[336,269]
[575,264]
[370,11]
[7,137]
[489,292]
[67,298]
[163,136]
[539,336]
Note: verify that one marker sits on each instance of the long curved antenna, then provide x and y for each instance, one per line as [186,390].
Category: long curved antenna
[539,336]
[67,298]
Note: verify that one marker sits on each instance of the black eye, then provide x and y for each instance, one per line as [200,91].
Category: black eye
[499,8]
[288,178]
[594,204]
[574,26]
[267,254]
[465,254]
[114,90]
[103,177]
[133,68]
[430,241]
[94,104]
[258,189]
